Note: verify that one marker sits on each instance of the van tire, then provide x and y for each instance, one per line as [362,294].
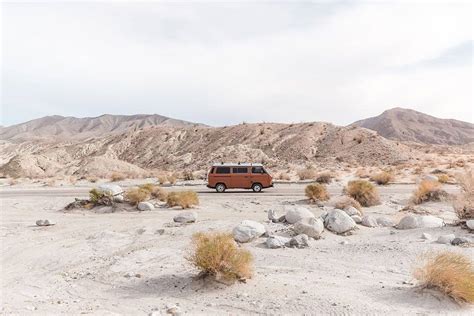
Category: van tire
[220,188]
[257,187]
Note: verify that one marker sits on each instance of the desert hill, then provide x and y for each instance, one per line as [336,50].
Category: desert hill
[409,125]
[60,127]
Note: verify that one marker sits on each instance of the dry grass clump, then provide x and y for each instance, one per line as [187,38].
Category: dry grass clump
[188,175]
[137,195]
[316,192]
[363,192]
[172,179]
[284,176]
[307,173]
[97,197]
[161,179]
[155,191]
[185,199]
[218,255]
[382,178]
[324,177]
[464,203]
[362,173]
[117,176]
[450,273]
[443,178]
[344,202]
[428,190]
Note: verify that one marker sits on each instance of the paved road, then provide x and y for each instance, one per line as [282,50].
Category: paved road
[278,190]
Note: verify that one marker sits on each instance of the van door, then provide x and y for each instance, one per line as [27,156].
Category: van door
[241,178]
[259,175]
[222,175]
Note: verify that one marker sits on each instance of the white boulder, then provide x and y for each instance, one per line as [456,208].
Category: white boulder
[277,241]
[429,221]
[356,219]
[351,211]
[311,226]
[295,213]
[429,177]
[385,222]
[408,222]
[300,241]
[272,215]
[446,239]
[145,206]
[369,221]
[248,230]
[470,224]
[339,222]
[426,236]
[110,189]
[185,217]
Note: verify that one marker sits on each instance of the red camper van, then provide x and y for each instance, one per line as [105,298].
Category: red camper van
[239,176]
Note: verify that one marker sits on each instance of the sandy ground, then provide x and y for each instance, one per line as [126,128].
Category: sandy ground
[121,263]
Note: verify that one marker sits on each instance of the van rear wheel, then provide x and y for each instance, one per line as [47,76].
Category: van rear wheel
[257,187]
[220,188]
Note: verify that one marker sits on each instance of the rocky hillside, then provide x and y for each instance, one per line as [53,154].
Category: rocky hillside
[171,148]
[60,127]
[409,125]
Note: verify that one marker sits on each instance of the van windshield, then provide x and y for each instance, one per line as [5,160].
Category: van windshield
[258,170]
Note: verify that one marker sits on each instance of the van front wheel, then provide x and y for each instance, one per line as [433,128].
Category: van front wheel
[257,187]
[220,188]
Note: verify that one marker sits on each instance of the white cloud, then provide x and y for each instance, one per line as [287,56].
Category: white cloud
[226,63]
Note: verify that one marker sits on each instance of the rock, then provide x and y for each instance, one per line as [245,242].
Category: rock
[311,226]
[339,222]
[459,241]
[356,219]
[272,215]
[295,213]
[282,219]
[159,231]
[426,236]
[185,217]
[323,215]
[385,222]
[45,222]
[429,177]
[145,206]
[300,241]
[172,309]
[470,224]
[408,222]
[119,198]
[277,241]
[446,239]
[369,221]
[248,231]
[351,211]
[110,189]
[429,221]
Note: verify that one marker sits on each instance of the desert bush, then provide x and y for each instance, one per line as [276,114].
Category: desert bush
[307,173]
[284,176]
[450,273]
[147,186]
[363,192]
[188,175]
[464,202]
[155,191]
[443,178]
[362,173]
[344,202]
[97,197]
[218,255]
[136,195]
[185,199]
[382,178]
[117,176]
[428,190]
[172,179]
[161,179]
[324,177]
[316,192]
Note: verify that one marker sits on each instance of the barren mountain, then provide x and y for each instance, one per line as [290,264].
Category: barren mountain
[409,125]
[60,127]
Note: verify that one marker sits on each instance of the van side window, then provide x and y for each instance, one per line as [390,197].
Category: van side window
[258,170]
[212,170]
[223,170]
[239,170]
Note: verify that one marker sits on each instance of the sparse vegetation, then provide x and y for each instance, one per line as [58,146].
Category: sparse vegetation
[137,195]
[443,178]
[284,176]
[155,191]
[363,192]
[117,176]
[308,173]
[450,273]
[316,192]
[382,178]
[185,199]
[324,177]
[345,202]
[362,173]
[161,179]
[97,197]
[217,255]
[464,203]
[172,179]
[428,190]
[188,175]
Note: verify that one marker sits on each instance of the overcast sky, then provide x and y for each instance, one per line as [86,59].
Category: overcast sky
[224,63]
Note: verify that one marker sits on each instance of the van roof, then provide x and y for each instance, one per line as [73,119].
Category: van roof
[241,164]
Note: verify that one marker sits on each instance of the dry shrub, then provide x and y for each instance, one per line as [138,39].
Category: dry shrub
[363,192]
[428,190]
[117,176]
[172,179]
[162,180]
[284,176]
[92,179]
[137,195]
[307,173]
[443,178]
[344,202]
[464,203]
[185,199]
[324,177]
[382,178]
[450,273]
[155,191]
[188,175]
[97,197]
[218,255]
[316,192]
